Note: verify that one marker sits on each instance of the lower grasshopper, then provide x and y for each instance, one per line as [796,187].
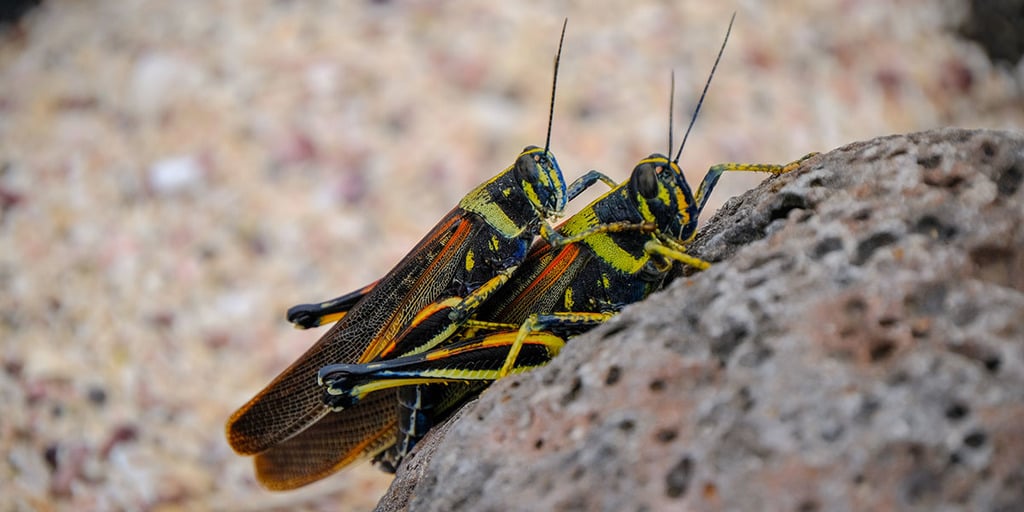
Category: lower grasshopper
[469,255]
[624,243]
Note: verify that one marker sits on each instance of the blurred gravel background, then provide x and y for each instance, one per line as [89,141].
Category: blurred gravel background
[174,175]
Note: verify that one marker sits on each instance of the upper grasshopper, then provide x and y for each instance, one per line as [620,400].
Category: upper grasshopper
[463,260]
[621,247]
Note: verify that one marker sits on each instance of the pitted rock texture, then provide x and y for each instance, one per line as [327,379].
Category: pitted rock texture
[858,345]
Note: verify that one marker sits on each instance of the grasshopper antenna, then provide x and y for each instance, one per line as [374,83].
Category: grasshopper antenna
[700,102]
[554,83]
[671,107]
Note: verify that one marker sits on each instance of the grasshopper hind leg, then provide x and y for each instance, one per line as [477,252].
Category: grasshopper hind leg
[308,316]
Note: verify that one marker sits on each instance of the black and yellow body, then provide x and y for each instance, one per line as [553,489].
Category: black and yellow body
[471,303]
[469,254]
[562,289]
[614,252]
[297,436]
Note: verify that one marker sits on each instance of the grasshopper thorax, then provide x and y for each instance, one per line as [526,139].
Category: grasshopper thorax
[540,178]
[663,197]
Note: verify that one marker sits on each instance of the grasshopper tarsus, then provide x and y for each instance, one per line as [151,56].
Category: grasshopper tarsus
[305,316]
[308,316]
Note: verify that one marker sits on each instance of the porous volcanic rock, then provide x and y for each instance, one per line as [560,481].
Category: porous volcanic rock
[858,345]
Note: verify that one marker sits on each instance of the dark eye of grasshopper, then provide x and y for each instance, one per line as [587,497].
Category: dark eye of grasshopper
[526,164]
[645,180]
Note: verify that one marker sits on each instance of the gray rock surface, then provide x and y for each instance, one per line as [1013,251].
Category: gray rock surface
[858,345]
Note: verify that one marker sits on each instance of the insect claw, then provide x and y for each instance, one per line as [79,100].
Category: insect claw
[302,317]
[330,376]
[339,402]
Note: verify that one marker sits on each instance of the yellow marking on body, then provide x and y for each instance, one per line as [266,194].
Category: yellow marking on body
[568,301]
[653,247]
[495,243]
[531,194]
[469,260]
[362,390]
[324,320]
[658,160]
[680,196]
[645,209]
[604,247]
[459,375]
[552,343]
[473,300]
[580,222]
[768,168]
[492,326]
[602,243]
[681,201]
[502,339]
[663,194]
[530,331]
[675,168]
[545,178]
[434,341]
[479,201]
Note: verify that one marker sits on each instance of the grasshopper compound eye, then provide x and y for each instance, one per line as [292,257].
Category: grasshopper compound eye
[527,164]
[648,185]
[645,180]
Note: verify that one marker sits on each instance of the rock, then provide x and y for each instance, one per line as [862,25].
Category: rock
[858,345]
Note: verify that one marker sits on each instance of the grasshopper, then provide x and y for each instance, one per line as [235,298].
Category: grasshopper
[465,258]
[623,245]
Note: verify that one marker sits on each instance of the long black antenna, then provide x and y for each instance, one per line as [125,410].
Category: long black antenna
[671,108]
[554,82]
[704,93]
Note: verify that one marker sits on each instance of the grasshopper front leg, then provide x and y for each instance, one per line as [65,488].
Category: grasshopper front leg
[716,171]
[538,323]
[584,182]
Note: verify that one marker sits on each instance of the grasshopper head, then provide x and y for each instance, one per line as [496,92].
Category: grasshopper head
[538,173]
[663,197]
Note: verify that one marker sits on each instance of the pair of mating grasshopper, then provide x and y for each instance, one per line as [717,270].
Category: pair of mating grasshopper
[475,300]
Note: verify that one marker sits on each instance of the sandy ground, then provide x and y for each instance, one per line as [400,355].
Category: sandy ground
[174,175]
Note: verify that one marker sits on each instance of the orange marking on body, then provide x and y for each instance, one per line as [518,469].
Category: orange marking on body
[548,277]
[385,340]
